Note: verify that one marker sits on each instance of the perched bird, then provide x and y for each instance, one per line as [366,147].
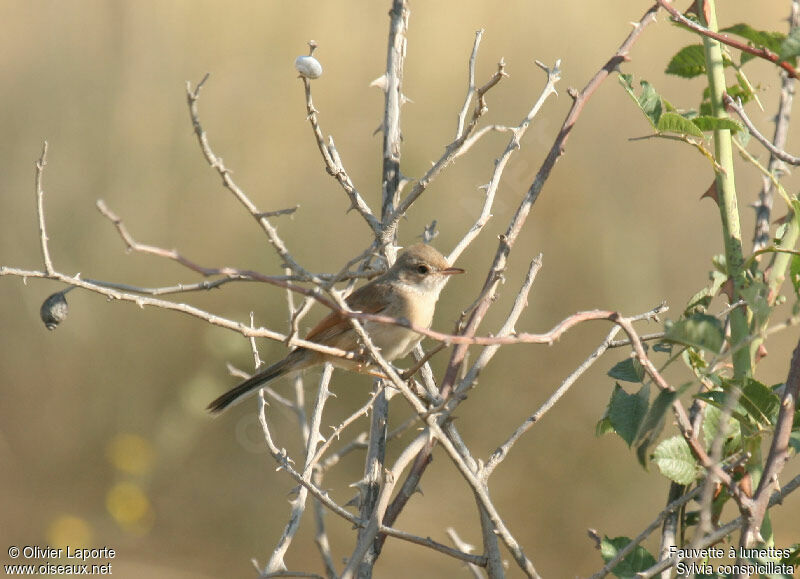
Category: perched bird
[409,289]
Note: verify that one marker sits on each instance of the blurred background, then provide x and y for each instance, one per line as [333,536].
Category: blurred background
[103,435]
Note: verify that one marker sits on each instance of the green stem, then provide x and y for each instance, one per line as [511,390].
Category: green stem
[726,194]
[780,264]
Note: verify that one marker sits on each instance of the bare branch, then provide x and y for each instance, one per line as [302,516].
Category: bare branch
[777,457]
[514,144]
[775,168]
[334,166]
[314,438]
[508,239]
[628,549]
[192,96]
[722,532]
[40,165]
[736,106]
[462,115]
[451,152]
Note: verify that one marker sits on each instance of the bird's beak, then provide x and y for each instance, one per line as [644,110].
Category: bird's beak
[451,271]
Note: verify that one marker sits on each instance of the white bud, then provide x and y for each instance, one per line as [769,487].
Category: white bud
[308,66]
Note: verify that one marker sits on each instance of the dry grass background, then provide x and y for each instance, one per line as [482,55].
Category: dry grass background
[103,438]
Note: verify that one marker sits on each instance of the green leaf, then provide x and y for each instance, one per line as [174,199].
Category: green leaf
[675,460]
[756,297]
[767,39]
[790,47]
[675,123]
[794,441]
[743,90]
[719,399]
[653,422]
[794,273]
[603,426]
[709,123]
[649,101]
[637,560]
[688,62]
[626,411]
[699,302]
[712,426]
[699,331]
[760,403]
[664,347]
[629,370]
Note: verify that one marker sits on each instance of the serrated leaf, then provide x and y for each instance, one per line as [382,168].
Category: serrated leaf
[638,560]
[653,423]
[629,370]
[710,123]
[712,426]
[603,426]
[688,62]
[790,47]
[699,331]
[699,302]
[626,411]
[760,403]
[719,399]
[765,38]
[675,460]
[648,101]
[675,123]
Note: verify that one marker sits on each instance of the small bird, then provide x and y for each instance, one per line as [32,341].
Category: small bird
[409,289]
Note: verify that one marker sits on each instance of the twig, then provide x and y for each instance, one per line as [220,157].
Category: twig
[514,144]
[192,96]
[334,166]
[285,463]
[362,411]
[473,57]
[760,52]
[776,169]
[466,547]
[507,329]
[372,487]
[314,438]
[721,532]
[736,106]
[777,457]
[518,220]
[628,549]
[451,152]
[40,165]
[208,317]
[502,451]
[391,177]
[278,212]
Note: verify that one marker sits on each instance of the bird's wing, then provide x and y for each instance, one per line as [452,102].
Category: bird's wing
[368,301]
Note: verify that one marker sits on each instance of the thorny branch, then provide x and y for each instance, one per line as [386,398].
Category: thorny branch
[375,525]
[760,51]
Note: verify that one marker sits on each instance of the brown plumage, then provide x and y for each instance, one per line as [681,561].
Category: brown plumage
[409,289]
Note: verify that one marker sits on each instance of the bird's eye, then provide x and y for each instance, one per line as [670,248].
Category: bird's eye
[423,269]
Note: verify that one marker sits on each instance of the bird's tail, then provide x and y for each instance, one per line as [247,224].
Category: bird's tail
[234,394]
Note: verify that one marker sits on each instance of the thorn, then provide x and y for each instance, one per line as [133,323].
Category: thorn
[711,192]
[381,82]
